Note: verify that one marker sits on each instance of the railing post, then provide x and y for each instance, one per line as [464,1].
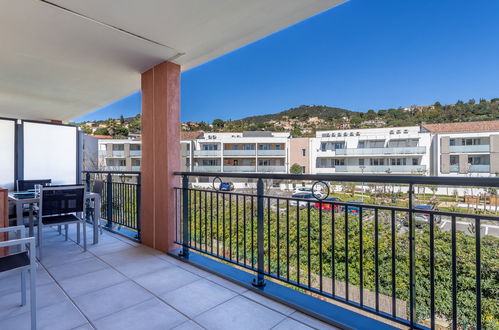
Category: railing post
[137,205]
[259,281]
[412,256]
[109,200]
[87,181]
[87,202]
[185,217]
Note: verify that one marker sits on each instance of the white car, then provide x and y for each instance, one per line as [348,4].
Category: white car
[302,190]
[304,195]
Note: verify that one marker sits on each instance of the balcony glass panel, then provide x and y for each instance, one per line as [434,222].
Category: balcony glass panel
[471,148]
[135,153]
[240,152]
[207,168]
[382,151]
[136,168]
[118,153]
[271,168]
[207,153]
[239,168]
[271,152]
[382,169]
[479,169]
[454,168]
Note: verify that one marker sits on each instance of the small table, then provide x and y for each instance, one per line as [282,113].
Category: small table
[20,202]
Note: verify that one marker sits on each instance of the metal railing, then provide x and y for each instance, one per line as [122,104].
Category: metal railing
[409,169]
[120,200]
[244,152]
[207,153]
[273,152]
[397,262]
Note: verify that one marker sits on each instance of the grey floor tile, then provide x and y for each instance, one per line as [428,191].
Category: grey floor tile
[145,265]
[272,304]
[163,281]
[61,316]
[290,324]
[189,325]
[112,299]
[103,249]
[76,268]
[90,282]
[87,326]
[12,283]
[239,313]
[310,321]
[197,297]
[227,284]
[124,255]
[150,315]
[46,295]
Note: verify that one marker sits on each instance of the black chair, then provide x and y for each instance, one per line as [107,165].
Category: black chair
[62,206]
[23,185]
[21,262]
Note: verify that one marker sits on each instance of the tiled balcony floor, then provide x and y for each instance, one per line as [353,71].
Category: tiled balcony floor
[119,284]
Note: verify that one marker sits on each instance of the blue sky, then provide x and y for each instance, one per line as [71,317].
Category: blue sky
[361,55]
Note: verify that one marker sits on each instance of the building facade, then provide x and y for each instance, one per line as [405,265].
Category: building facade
[398,150]
[120,155]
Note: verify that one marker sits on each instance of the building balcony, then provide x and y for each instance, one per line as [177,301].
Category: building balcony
[115,168]
[207,153]
[241,169]
[414,169]
[271,152]
[243,153]
[206,168]
[454,168]
[118,153]
[102,153]
[274,169]
[381,151]
[136,168]
[479,168]
[135,153]
[470,148]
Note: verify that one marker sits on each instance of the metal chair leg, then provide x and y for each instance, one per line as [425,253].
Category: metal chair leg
[32,287]
[66,227]
[84,224]
[23,288]
[78,233]
[40,230]
[59,228]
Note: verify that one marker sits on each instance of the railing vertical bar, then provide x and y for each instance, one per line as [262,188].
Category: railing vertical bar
[309,248]
[237,228]
[211,222]
[298,242]
[287,239]
[478,274]
[185,216]
[412,257]
[432,270]
[252,232]
[230,226]
[361,257]
[218,223]
[109,201]
[394,283]
[176,216]
[194,218]
[376,258]
[259,281]
[346,253]
[278,238]
[320,246]
[454,273]
[206,220]
[269,267]
[138,206]
[333,251]
[244,229]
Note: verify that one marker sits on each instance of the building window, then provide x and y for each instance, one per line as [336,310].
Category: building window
[377,162]
[323,146]
[249,147]
[362,144]
[210,146]
[102,147]
[361,162]
[452,142]
[304,152]
[263,162]
[235,147]
[454,160]
[264,147]
[415,161]
[277,147]
[118,147]
[340,145]
[339,162]
[135,162]
[136,147]
[397,161]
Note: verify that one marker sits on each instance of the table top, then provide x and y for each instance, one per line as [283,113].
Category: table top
[29,196]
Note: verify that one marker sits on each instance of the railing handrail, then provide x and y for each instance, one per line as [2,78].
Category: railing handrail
[111,172]
[401,179]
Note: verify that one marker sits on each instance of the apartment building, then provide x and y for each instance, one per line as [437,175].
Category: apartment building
[465,149]
[299,153]
[119,154]
[397,150]
[246,152]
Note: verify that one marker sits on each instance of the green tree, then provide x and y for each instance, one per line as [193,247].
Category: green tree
[296,169]
[101,131]
[218,123]
[120,131]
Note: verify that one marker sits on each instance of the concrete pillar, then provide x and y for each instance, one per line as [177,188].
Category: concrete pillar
[444,145]
[445,164]
[160,154]
[463,164]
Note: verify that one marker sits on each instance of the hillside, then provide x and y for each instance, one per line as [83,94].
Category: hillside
[306,119]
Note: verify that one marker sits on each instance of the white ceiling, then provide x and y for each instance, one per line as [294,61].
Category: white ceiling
[61,59]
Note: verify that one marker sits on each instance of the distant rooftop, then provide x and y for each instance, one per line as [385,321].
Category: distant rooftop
[475,126]
[257,134]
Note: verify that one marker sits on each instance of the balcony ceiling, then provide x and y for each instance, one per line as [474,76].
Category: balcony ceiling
[63,58]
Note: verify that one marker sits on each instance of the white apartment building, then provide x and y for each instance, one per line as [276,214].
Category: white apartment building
[119,154]
[246,152]
[397,150]
[465,149]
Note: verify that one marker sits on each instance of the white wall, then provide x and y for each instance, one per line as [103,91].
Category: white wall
[7,153]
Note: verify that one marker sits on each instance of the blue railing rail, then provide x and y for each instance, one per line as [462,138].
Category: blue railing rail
[120,200]
[378,258]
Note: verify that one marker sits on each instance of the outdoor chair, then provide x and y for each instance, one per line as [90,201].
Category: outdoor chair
[62,206]
[21,262]
[98,188]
